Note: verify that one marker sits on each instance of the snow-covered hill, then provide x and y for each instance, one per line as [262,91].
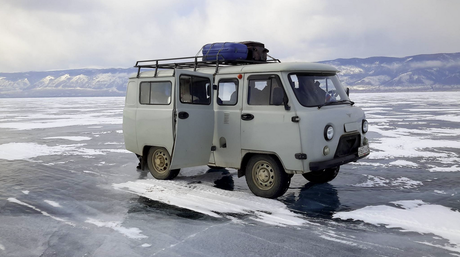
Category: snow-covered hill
[413,73]
[81,82]
[419,72]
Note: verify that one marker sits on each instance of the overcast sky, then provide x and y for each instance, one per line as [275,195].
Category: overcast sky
[55,34]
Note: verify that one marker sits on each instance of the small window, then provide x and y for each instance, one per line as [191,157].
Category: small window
[157,93]
[195,90]
[227,92]
[265,90]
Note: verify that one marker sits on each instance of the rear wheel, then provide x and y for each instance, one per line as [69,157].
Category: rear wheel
[159,162]
[322,176]
[266,177]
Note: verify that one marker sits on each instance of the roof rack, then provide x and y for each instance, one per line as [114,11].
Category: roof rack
[194,62]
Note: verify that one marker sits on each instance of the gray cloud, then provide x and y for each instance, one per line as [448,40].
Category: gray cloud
[53,34]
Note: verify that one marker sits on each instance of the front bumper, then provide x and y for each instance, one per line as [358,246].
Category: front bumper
[362,152]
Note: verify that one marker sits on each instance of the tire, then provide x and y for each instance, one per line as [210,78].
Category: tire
[266,177]
[159,161]
[322,176]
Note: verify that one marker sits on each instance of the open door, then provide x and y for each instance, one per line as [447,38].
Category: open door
[194,119]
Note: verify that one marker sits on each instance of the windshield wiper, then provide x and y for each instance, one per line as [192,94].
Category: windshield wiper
[337,102]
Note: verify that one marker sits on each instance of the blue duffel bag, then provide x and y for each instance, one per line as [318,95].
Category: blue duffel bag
[227,51]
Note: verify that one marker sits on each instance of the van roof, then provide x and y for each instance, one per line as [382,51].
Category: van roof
[250,68]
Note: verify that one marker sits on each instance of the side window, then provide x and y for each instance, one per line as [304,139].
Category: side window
[227,92]
[265,90]
[195,90]
[155,93]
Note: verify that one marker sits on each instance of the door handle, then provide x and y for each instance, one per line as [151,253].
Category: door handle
[183,115]
[247,116]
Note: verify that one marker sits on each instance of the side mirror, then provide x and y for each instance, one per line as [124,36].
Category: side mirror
[285,102]
[348,91]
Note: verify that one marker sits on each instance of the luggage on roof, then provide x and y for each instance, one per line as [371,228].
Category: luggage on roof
[256,51]
[227,51]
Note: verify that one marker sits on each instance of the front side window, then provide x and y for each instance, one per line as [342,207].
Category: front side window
[156,93]
[265,90]
[195,90]
[317,90]
[227,92]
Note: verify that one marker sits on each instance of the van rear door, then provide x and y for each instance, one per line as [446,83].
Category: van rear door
[194,119]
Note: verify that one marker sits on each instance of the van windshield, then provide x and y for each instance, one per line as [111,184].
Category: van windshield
[314,90]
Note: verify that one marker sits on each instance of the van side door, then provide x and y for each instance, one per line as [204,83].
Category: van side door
[194,119]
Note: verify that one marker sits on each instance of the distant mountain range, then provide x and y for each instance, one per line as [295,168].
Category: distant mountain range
[413,73]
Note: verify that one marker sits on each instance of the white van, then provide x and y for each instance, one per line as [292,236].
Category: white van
[269,120]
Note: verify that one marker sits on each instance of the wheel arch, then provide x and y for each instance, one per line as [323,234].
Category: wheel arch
[248,155]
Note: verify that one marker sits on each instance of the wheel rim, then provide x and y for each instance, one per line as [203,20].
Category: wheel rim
[160,161]
[263,175]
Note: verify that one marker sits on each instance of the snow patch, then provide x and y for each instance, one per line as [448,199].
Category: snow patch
[454,168]
[376,181]
[404,163]
[24,151]
[53,203]
[75,138]
[213,201]
[134,233]
[414,216]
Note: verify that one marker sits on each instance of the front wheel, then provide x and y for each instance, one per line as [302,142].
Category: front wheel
[266,177]
[322,176]
[159,161]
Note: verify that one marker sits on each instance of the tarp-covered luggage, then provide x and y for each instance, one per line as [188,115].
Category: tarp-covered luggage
[227,51]
[256,51]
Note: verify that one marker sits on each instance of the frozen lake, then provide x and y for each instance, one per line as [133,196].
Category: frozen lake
[68,188]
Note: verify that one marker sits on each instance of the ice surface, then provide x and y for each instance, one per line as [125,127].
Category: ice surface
[412,215]
[70,190]
[213,201]
[14,200]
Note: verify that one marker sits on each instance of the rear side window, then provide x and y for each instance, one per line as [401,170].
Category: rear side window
[227,92]
[265,90]
[155,92]
[195,90]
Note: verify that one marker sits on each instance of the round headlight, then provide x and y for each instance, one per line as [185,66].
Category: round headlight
[328,132]
[365,126]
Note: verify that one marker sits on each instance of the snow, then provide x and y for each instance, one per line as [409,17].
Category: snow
[81,120]
[53,203]
[71,138]
[213,201]
[134,233]
[414,216]
[377,181]
[454,168]
[21,151]
[404,163]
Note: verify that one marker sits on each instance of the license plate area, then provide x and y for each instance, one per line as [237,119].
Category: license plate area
[363,150]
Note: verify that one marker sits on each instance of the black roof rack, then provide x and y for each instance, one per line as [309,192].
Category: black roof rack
[194,62]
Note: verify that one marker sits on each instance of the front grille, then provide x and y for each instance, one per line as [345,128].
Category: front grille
[348,144]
